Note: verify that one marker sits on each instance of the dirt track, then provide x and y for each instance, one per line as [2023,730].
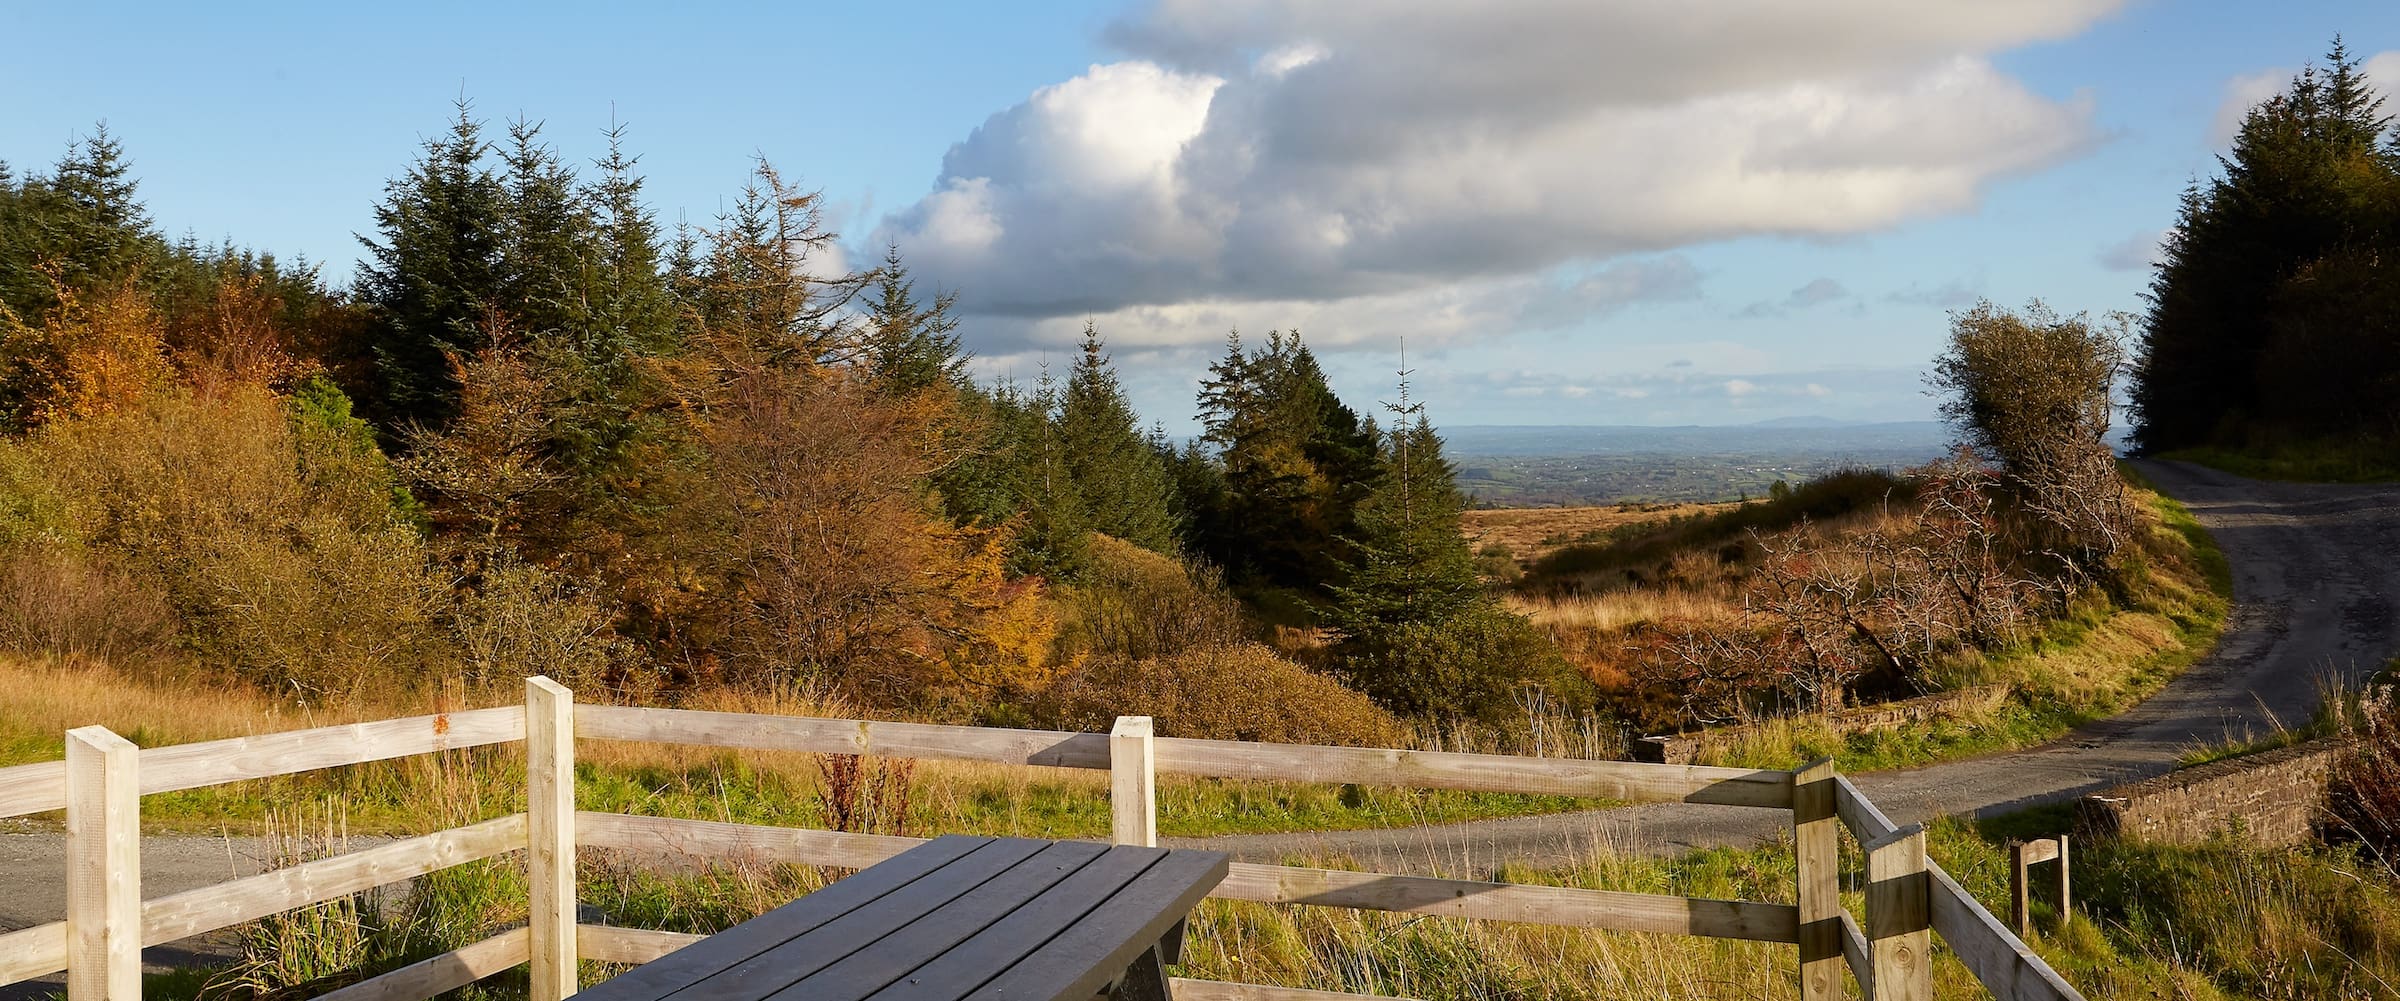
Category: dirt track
[2316,597]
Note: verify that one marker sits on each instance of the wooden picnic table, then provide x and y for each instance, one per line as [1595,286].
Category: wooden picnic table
[998,919]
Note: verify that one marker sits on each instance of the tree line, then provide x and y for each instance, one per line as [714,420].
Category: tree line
[541,432]
[2271,314]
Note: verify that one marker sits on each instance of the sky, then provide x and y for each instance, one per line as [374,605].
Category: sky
[1557,211]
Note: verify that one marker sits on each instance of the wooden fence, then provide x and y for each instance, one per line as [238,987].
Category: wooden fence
[99,785]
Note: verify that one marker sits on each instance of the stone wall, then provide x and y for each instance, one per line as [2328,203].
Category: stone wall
[2275,797]
[1683,748]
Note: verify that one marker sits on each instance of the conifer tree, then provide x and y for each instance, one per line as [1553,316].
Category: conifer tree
[547,240]
[1123,486]
[1295,460]
[1417,631]
[434,271]
[1057,526]
[911,346]
[2241,336]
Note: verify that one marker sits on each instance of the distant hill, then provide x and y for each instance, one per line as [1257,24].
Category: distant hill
[1548,465]
[1815,436]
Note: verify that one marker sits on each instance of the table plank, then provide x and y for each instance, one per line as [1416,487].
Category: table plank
[821,946]
[991,905]
[967,965]
[666,974]
[1108,939]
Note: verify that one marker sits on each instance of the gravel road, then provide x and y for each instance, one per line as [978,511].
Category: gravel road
[2316,598]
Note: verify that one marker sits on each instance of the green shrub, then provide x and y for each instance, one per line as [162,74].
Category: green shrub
[1473,665]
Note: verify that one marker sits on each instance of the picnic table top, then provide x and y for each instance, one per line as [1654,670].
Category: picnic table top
[957,917]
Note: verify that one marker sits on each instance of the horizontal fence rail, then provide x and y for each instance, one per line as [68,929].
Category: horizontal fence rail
[42,788]
[1272,884]
[1909,898]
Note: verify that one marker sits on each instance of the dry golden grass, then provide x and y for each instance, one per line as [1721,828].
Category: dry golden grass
[1523,530]
[44,698]
[1610,611]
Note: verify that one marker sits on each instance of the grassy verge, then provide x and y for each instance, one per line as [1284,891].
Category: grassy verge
[38,702]
[2107,654]
[2223,921]
[2307,462]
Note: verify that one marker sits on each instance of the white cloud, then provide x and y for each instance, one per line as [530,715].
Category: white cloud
[2134,253]
[2381,69]
[1268,151]
[2241,93]
[1740,387]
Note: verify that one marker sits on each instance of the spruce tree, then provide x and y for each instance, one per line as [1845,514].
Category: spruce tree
[1295,460]
[2259,307]
[548,238]
[1408,560]
[434,271]
[1057,527]
[1124,487]
[911,346]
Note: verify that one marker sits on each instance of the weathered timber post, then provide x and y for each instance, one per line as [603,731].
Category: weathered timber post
[1816,846]
[104,867]
[2066,893]
[550,837]
[2020,892]
[1133,782]
[1900,916]
[2022,857]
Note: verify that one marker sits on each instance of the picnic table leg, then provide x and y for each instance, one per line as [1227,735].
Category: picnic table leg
[1145,980]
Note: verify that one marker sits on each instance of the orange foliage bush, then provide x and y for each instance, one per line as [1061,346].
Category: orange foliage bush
[1239,691]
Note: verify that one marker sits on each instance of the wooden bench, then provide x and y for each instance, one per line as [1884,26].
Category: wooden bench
[1001,919]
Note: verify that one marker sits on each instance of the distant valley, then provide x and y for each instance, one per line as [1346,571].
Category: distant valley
[1553,465]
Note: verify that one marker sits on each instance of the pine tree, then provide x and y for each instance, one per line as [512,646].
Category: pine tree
[548,238]
[2307,200]
[1057,527]
[434,272]
[911,346]
[1295,460]
[1123,486]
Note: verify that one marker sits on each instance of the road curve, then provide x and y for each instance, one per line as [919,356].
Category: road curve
[2316,593]
[2316,597]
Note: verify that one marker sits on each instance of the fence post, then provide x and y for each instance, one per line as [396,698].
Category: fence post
[1816,848]
[104,867]
[550,836]
[1900,915]
[1133,782]
[2020,889]
[2066,893]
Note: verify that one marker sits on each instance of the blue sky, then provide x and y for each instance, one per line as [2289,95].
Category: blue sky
[1572,212]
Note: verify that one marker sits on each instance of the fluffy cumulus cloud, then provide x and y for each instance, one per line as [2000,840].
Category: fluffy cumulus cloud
[1426,156]
[2243,91]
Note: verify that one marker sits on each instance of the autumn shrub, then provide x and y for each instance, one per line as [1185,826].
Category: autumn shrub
[1136,603]
[519,620]
[55,600]
[2364,798]
[1239,691]
[273,569]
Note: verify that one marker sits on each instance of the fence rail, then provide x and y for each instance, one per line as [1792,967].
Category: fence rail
[1888,954]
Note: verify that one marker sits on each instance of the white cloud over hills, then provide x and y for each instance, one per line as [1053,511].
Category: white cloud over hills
[1439,170]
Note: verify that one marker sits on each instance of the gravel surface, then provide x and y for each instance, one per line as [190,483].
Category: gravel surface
[2316,598]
